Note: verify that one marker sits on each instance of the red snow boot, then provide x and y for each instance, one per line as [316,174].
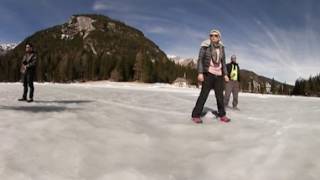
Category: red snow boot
[197,120]
[225,119]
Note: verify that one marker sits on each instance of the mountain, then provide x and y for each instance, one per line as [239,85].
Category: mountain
[252,82]
[191,62]
[5,47]
[94,47]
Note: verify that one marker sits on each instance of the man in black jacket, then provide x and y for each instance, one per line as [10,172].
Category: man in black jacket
[212,73]
[27,70]
[232,86]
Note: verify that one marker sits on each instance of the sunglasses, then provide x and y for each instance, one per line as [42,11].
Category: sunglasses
[215,35]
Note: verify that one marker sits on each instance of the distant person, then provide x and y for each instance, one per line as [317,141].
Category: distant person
[28,69]
[212,72]
[233,85]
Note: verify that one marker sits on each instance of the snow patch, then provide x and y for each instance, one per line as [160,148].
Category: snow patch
[108,130]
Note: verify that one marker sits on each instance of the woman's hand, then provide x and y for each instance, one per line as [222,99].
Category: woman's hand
[200,77]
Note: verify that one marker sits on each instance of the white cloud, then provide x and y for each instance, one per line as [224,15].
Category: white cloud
[116,6]
[158,30]
[280,53]
[98,6]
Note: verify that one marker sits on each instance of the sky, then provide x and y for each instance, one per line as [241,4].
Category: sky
[276,38]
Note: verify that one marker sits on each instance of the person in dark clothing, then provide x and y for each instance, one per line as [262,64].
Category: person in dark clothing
[233,85]
[212,72]
[28,69]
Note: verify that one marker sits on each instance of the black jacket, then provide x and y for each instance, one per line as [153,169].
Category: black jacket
[229,68]
[205,57]
[30,61]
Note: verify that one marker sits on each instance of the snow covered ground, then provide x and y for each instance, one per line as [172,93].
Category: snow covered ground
[126,131]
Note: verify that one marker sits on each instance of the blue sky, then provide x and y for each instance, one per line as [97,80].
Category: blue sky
[275,38]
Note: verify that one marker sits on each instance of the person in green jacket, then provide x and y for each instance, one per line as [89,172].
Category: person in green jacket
[233,85]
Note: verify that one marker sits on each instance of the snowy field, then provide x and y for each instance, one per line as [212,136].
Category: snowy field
[126,131]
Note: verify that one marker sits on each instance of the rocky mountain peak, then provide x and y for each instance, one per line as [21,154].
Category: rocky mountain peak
[82,25]
[5,47]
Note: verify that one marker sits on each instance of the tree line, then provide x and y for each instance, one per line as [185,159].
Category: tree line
[307,87]
[84,66]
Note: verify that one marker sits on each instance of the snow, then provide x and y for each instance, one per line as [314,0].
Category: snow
[133,131]
[181,60]
[8,46]
[5,47]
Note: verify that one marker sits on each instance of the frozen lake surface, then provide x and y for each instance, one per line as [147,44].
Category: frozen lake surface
[130,131]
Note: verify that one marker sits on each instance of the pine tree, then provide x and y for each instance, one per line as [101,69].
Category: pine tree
[116,75]
[273,86]
[285,88]
[138,67]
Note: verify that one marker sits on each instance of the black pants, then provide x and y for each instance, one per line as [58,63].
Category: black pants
[28,79]
[210,82]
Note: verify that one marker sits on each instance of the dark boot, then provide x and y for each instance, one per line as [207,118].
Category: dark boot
[22,99]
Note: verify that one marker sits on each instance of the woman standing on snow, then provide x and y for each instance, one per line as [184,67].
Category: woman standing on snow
[212,73]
